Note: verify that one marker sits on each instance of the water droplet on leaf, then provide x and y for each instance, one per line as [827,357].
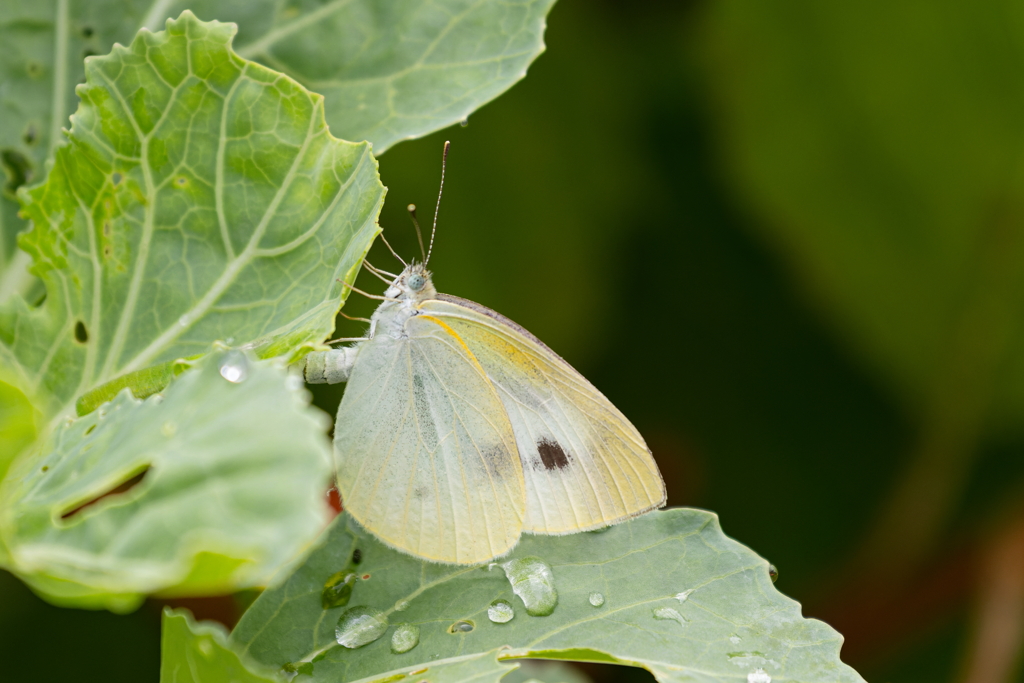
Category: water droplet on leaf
[596,599]
[500,612]
[734,640]
[681,597]
[773,573]
[359,626]
[461,627]
[169,429]
[401,605]
[234,367]
[669,614]
[337,590]
[758,676]
[533,582]
[405,638]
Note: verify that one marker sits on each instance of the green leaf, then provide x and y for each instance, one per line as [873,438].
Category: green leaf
[201,198]
[193,652]
[234,474]
[201,653]
[389,70]
[17,424]
[679,599]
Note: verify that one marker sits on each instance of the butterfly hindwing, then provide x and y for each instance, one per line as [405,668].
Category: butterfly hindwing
[584,463]
[425,453]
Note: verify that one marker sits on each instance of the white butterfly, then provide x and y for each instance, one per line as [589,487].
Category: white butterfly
[459,430]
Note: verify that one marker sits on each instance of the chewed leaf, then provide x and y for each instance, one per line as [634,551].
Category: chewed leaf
[390,70]
[677,597]
[214,487]
[201,198]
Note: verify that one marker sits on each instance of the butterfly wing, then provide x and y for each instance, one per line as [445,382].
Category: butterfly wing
[585,464]
[425,454]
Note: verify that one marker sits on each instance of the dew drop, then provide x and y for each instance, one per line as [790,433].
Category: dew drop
[533,582]
[183,320]
[681,597]
[735,640]
[401,605]
[337,590]
[405,638]
[758,676]
[464,122]
[773,573]
[169,429]
[461,627]
[669,614]
[359,626]
[500,612]
[234,367]
[596,599]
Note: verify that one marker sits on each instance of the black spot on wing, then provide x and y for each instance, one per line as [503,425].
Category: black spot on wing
[552,455]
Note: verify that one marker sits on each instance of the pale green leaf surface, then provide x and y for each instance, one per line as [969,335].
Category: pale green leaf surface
[233,491]
[883,157]
[200,653]
[732,622]
[201,198]
[390,70]
[192,652]
[17,424]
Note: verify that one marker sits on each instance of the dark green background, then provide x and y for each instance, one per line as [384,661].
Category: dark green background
[595,204]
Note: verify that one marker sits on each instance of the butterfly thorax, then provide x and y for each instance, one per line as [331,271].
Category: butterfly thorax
[407,291]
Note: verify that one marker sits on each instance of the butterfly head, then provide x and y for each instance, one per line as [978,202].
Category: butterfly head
[414,283]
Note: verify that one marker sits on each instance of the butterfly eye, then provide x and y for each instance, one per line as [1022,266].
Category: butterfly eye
[416,282]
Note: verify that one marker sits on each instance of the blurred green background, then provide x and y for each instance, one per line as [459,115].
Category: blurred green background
[787,240]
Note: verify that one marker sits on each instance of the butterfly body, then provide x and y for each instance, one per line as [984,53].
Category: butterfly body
[459,430]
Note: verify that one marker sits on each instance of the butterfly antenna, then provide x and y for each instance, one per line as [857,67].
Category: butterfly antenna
[419,233]
[437,209]
[393,252]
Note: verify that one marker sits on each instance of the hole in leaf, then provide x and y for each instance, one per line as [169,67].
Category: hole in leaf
[115,178]
[461,627]
[108,251]
[357,556]
[31,135]
[17,167]
[181,181]
[123,487]
[81,334]
[87,31]
[89,430]
[34,69]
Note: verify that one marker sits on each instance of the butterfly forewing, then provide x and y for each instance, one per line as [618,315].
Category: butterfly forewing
[584,463]
[425,452]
